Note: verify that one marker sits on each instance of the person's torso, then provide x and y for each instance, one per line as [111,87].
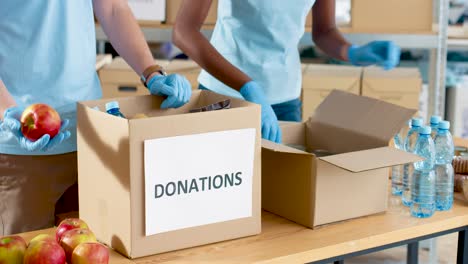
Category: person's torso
[48,55]
[261,38]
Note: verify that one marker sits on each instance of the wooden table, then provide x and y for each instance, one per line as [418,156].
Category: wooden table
[282,241]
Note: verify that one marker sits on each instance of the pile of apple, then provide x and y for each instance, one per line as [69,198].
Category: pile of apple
[74,243]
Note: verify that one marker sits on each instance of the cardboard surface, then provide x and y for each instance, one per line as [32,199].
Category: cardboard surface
[174,5]
[319,80]
[400,86]
[312,190]
[111,154]
[370,159]
[395,16]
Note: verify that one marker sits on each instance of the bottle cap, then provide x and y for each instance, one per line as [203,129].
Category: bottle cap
[435,120]
[112,105]
[425,130]
[416,122]
[444,125]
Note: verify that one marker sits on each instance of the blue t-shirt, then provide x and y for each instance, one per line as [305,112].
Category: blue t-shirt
[261,37]
[48,55]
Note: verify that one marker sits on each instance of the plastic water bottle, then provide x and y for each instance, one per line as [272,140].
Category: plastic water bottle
[424,181]
[434,125]
[113,109]
[444,151]
[410,142]
[397,171]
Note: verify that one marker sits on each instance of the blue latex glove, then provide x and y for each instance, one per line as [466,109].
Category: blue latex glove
[383,53]
[176,87]
[252,92]
[11,123]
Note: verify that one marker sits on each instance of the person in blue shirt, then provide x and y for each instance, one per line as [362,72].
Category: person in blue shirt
[47,55]
[253,53]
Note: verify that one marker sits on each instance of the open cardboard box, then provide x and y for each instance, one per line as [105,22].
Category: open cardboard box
[353,182]
[129,169]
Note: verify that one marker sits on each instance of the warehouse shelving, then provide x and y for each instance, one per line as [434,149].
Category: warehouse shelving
[435,42]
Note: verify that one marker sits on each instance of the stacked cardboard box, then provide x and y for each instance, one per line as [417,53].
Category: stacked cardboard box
[319,80]
[173,7]
[401,86]
[119,80]
[352,181]
[172,180]
[395,16]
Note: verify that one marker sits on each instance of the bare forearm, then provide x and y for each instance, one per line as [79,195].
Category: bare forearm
[333,44]
[123,31]
[198,48]
[6,100]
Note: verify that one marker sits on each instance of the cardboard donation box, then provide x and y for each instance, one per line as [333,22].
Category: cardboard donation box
[171,180]
[173,8]
[400,86]
[319,80]
[118,79]
[343,173]
[395,16]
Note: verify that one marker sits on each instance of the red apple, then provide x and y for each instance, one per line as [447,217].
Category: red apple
[38,120]
[12,250]
[43,252]
[69,224]
[90,253]
[72,238]
[42,238]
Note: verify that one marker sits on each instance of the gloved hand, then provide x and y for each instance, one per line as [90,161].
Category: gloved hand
[176,87]
[252,92]
[383,53]
[11,123]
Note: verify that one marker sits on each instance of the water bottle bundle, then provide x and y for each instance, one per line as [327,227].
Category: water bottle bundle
[427,185]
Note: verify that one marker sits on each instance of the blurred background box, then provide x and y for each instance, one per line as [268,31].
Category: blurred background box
[172,7]
[319,80]
[119,80]
[149,11]
[457,109]
[400,86]
[392,16]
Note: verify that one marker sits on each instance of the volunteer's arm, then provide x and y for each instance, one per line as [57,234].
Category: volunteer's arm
[325,33]
[120,26]
[188,38]
[6,100]
[329,39]
[126,37]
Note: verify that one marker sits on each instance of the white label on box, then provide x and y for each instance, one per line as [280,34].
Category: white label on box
[148,9]
[198,179]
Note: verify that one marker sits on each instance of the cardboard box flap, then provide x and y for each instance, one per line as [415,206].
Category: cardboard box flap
[371,159]
[270,145]
[345,122]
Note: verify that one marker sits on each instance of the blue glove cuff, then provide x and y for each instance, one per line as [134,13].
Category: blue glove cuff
[153,79]
[351,54]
